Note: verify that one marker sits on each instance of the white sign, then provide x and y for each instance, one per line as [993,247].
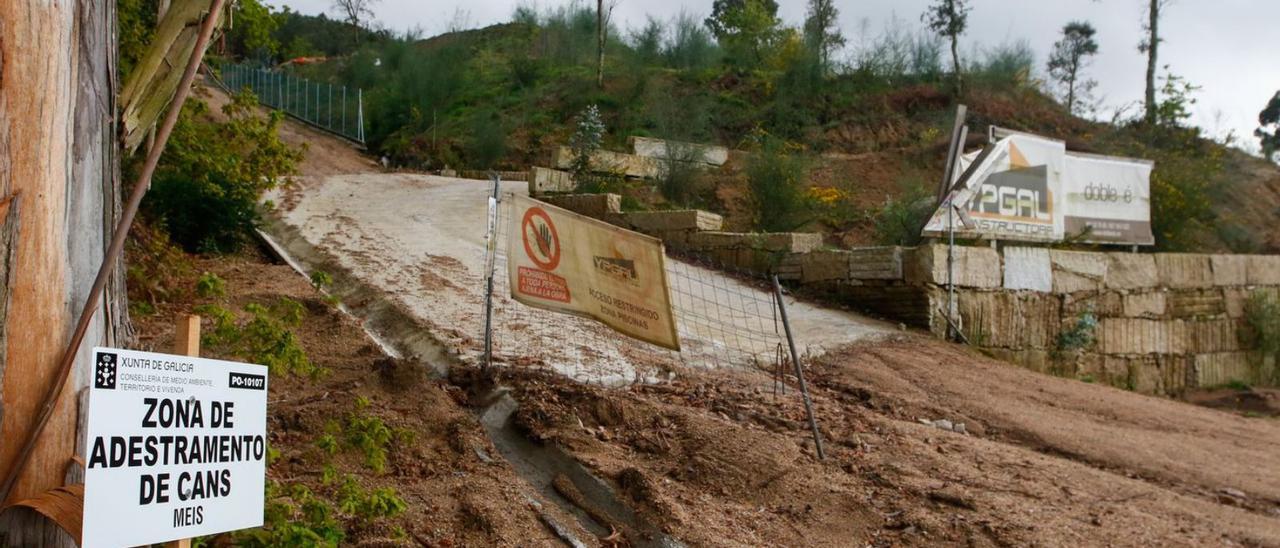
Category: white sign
[177,448]
[1029,188]
[1108,199]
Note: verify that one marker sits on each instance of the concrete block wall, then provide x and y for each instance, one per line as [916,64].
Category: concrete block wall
[1164,322]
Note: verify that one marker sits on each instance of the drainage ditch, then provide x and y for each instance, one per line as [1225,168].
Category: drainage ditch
[556,475]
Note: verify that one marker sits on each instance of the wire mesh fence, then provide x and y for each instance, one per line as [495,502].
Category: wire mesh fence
[334,108]
[724,320]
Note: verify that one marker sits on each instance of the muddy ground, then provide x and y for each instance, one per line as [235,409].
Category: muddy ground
[720,458]
[724,458]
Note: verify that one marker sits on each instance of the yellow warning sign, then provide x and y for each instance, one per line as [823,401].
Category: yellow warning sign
[565,262]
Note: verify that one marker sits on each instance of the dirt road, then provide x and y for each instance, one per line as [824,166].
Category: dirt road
[713,457]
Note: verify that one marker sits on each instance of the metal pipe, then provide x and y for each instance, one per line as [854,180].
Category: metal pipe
[113,251]
[795,359]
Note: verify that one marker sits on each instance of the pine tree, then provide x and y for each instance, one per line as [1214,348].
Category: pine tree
[1070,56]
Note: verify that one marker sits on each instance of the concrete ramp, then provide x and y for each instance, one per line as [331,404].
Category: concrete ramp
[418,240]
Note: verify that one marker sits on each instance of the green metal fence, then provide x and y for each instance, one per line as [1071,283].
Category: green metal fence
[337,109]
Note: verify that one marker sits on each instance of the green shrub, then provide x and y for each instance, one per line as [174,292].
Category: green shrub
[206,188]
[210,286]
[1079,335]
[586,139]
[1262,320]
[900,220]
[776,177]
[487,143]
[266,337]
[681,178]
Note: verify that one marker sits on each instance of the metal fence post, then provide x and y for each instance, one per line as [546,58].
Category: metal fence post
[344,110]
[491,251]
[330,123]
[795,359]
[360,113]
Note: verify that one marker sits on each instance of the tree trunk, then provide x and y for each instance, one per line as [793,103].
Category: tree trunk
[1153,45]
[600,43]
[58,154]
[1071,89]
[958,81]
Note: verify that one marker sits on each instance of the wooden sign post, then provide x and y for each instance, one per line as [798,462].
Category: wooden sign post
[186,341]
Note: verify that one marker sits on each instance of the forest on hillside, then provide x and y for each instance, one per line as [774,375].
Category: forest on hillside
[847,127]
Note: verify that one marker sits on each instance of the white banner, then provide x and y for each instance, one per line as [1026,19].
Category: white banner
[1029,188]
[176,448]
[1108,199]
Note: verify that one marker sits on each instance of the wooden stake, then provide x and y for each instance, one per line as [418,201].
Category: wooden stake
[186,342]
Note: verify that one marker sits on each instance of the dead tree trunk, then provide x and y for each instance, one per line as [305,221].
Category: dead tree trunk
[1153,47]
[58,161]
[600,44]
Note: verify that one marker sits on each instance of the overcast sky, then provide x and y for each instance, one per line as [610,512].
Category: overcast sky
[1225,46]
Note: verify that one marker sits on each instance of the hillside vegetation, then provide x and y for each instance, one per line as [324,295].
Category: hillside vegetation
[871,130]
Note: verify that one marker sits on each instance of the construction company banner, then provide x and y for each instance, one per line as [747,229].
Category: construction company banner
[1029,188]
[176,448]
[1108,199]
[561,261]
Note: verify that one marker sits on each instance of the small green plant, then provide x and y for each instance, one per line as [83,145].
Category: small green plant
[265,338]
[328,443]
[365,432]
[1079,335]
[321,280]
[368,506]
[211,286]
[293,516]
[1237,384]
[141,308]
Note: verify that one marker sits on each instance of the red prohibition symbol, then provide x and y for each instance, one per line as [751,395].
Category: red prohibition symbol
[541,242]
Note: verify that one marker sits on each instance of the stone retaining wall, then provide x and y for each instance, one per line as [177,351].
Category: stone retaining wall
[1164,322]
[695,231]
[711,155]
[613,162]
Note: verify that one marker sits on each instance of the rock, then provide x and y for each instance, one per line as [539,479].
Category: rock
[943,424]
[959,428]
[1232,492]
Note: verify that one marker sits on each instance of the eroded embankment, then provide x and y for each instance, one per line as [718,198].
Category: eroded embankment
[556,475]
